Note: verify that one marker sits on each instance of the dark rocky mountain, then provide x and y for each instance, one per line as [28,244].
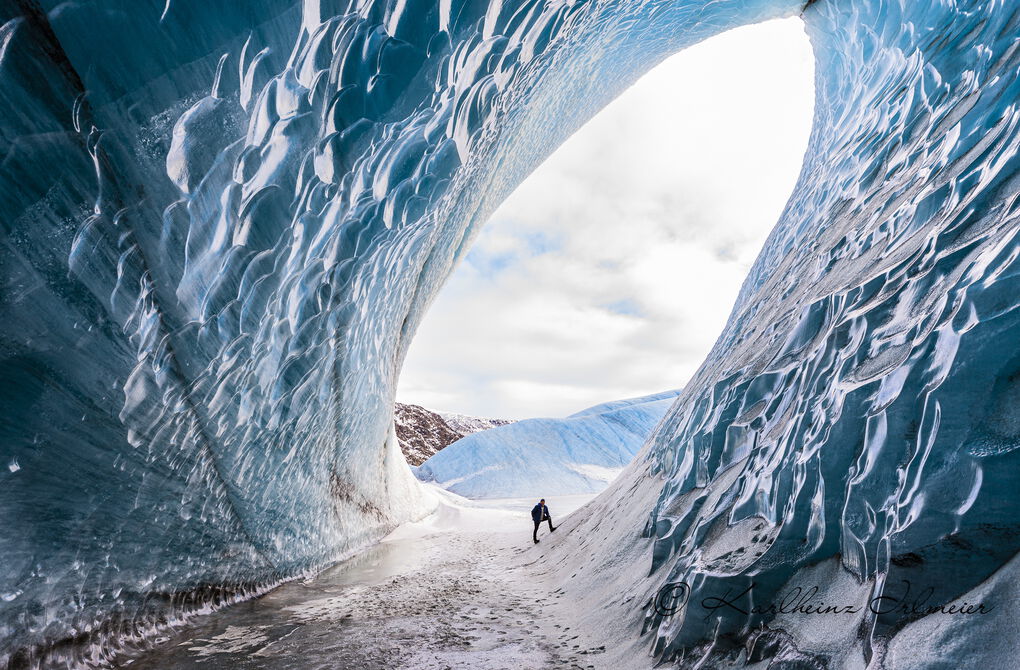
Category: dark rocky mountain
[422,432]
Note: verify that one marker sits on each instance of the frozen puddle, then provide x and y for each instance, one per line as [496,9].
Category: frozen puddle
[461,589]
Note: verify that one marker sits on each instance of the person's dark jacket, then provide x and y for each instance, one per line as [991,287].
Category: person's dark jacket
[539,512]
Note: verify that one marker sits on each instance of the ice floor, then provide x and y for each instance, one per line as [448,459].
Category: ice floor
[464,588]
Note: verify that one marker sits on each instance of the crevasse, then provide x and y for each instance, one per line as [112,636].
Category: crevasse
[222,223]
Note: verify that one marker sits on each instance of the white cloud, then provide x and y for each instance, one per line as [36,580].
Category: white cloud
[611,270]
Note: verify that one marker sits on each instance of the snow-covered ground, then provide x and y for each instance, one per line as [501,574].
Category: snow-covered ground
[581,453]
[465,425]
[465,588]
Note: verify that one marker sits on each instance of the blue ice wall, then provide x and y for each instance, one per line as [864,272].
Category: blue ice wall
[223,220]
[221,224]
[861,403]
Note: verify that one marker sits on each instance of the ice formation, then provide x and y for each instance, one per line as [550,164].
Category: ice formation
[223,222]
[581,453]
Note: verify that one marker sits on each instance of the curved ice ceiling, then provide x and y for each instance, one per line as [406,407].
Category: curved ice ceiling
[222,223]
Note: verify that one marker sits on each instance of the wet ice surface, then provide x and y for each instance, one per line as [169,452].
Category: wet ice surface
[457,590]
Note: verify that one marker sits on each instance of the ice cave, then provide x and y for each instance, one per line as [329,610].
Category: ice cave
[223,222]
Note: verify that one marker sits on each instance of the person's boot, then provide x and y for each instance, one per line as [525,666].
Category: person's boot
[536,541]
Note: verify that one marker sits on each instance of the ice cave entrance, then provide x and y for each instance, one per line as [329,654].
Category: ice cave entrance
[611,270]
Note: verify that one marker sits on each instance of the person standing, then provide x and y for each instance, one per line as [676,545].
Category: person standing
[540,513]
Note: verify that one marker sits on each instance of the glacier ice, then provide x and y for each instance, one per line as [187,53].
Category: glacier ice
[580,453]
[860,401]
[222,223]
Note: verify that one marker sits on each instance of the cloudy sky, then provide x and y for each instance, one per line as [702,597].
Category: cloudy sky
[611,270]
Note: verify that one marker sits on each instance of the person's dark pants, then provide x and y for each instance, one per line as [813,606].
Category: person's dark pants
[539,523]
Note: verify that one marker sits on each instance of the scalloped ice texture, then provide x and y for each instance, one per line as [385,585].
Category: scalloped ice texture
[861,401]
[222,225]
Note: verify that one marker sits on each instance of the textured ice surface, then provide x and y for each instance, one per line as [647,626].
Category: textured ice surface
[581,453]
[222,223]
[861,402]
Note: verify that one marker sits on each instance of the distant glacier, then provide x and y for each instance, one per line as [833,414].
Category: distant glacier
[581,453]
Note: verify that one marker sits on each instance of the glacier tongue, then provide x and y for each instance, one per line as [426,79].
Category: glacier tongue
[578,454]
[222,225]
